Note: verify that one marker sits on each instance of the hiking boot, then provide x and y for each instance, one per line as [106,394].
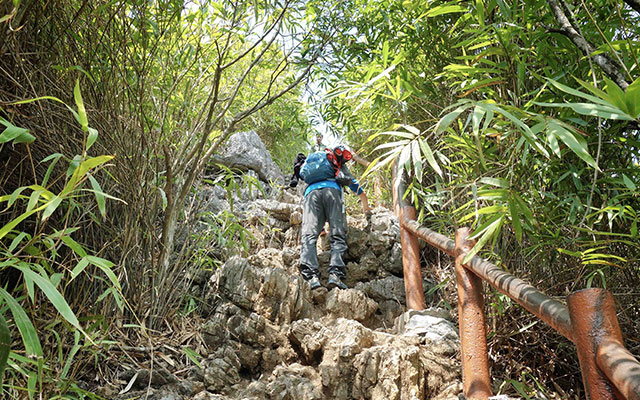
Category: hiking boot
[334,281]
[314,282]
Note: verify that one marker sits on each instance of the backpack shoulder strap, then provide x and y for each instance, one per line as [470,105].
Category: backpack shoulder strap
[333,160]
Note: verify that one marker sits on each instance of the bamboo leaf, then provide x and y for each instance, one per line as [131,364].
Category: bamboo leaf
[393,144]
[52,294]
[82,114]
[22,321]
[515,218]
[417,160]
[494,194]
[33,200]
[405,135]
[82,264]
[442,10]
[73,245]
[385,53]
[164,198]
[601,94]
[14,196]
[490,230]
[51,207]
[405,157]
[92,136]
[483,211]
[629,183]
[14,222]
[412,130]
[593,110]
[498,182]
[632,98]
[97,191]
[38,99]
[83,168]
[578,93]
[5,346]
[55,157]
[617,95]
[14,133]
[476,118]
[16,241]
[528,134]
[428,154]
[551,139]
[570,140]
[106,267]
[523,208]
[192,355]
[450,117]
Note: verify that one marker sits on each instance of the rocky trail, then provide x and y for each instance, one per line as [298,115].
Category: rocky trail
[268,336]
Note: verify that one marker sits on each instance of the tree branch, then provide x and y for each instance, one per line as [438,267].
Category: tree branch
[607,65]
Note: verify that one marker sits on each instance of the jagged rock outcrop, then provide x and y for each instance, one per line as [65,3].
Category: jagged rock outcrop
[245,151]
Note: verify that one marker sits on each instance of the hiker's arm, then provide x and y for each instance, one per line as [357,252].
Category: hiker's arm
[355,188]
[365,202]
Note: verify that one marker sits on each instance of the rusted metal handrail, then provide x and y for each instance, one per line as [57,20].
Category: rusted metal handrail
[549,310]
[410,254]
[609,371]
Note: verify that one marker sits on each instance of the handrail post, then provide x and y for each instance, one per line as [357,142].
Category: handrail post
[410,251]
[593,318]
[473,333]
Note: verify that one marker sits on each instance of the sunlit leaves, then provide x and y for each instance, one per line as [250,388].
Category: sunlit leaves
[409,152]
[446,121]
[572,140]
[612,104]
[443,9]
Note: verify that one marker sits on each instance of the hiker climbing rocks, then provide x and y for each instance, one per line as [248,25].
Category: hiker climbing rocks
[300,158]
[325,173]
[318,146]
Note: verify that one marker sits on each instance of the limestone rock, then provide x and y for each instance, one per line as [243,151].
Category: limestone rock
[389,373]
[283,298]
[295,382]
[432,325]
[394,260]
[245,151]
[356,242]
[383,220]
[271,337]
[350,303]
[205,395]
[389,288]
[222,370]
[239,282]
[267,258]
[309,336]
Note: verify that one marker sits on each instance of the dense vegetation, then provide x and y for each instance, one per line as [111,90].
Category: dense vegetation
[519,118]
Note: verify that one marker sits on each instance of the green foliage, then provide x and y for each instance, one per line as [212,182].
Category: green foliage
[33,252]
[518,144]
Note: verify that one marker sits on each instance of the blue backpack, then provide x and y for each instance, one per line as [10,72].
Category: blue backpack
[316,168]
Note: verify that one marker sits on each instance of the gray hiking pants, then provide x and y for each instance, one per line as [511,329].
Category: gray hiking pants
[323,205]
